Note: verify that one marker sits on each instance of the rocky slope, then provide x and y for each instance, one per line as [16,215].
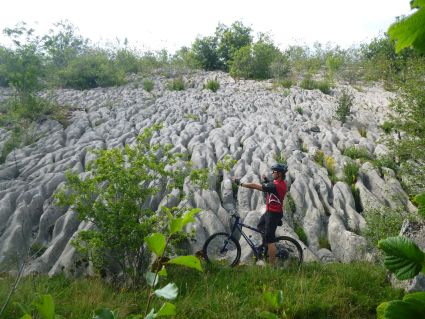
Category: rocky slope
[251,121]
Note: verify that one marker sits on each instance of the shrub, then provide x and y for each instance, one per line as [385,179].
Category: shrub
[345,102]
[309,84]
[127,61]
[212,85]
[280,68]
[387,127]
[148,85]
[93,69]
[114,198]
[330,166]
[351,171]
[285,83]
[299,110]
[357,153]
[319,157]
[230,40]
[205,53]
[176,85]
[301,233]
[384,222]
[253,61]
[386,161]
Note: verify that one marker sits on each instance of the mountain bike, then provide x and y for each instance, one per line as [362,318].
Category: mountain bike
[223,249]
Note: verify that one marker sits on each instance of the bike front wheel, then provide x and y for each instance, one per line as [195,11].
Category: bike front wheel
[222,249]
[288,252]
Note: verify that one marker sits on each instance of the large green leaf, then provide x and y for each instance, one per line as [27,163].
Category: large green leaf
[403,256]
[156,243]
[188,261]
[380,310]
[176,224]
[26,316]
[104,313]
[169,292]
[167,309]
[420,200]
[274,298]
[410,31]
[45,306]
[411,309]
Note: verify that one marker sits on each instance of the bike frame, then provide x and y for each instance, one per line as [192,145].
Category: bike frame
[238,226]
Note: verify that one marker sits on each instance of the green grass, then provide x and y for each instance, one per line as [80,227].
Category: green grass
[316,291]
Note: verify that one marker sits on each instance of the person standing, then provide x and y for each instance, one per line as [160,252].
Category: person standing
[275,193]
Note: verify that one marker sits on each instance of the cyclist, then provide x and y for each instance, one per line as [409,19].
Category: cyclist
[275,193]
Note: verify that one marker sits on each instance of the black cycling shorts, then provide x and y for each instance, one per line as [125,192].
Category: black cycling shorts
[268,224]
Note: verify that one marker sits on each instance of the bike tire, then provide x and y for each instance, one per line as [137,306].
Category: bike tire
[222,249]
[288,252]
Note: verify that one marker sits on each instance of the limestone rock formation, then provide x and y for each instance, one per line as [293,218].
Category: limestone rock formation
[251,121]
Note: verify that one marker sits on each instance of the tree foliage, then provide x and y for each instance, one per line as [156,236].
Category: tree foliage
[114,196]
[410,30]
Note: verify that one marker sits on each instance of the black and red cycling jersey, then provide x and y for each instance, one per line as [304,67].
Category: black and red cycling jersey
[275,193]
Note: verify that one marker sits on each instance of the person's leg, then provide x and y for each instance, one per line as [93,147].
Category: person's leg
[271,226]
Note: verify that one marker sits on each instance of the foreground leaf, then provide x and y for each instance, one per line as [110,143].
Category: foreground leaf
[167,309]
[188,261]
[410,31]
[151,314]
[104,313]
[156,243]
[403,257]
[274,298]
[176,224]
[45,306]
[169,292]
[152,278]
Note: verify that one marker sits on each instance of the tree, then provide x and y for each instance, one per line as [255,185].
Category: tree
[115,196]
[230,40]
[62,44]
[205,53]
[254,61]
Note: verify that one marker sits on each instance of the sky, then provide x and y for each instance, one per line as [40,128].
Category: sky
[171,24]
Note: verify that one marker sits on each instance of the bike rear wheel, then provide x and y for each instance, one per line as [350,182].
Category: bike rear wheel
[222,249]
[288,252]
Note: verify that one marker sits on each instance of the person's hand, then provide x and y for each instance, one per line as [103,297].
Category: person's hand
[237,181]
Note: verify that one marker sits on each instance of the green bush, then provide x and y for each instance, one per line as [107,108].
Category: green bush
[114,198]
[351,171]
[384,222]
[212,85]
[127,61]
[93,69]
[386,161]
[148,85]
[301,233]
[387,127]
[357,153]
[280,68]
[345,102]
[253,61]
[176,85]
[230,40]
[309,84]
